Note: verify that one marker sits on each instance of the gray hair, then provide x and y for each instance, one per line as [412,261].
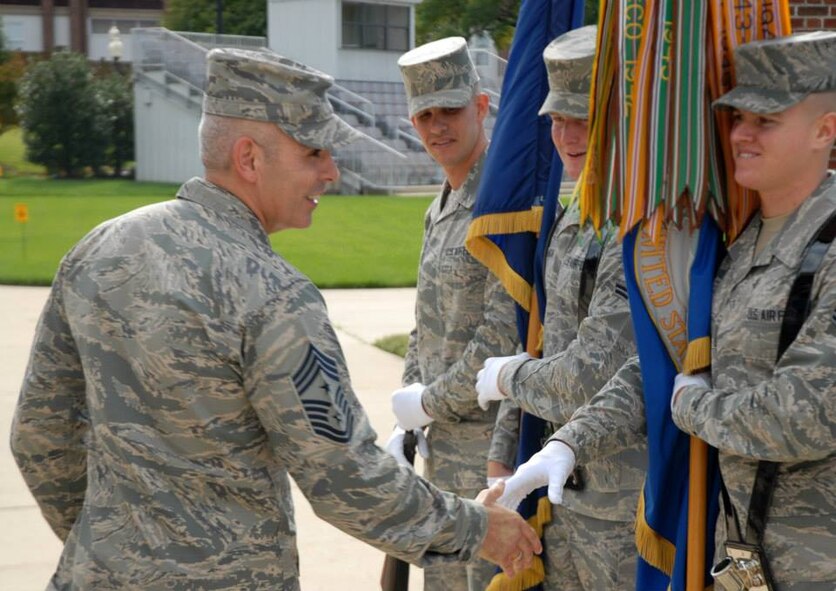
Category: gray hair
[217,135]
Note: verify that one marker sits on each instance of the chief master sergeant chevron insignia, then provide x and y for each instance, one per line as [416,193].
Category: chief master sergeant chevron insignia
[318,385]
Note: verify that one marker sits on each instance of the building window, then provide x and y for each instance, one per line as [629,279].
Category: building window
[375,26]
[13,32]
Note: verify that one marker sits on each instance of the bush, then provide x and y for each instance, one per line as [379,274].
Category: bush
[116,103]
[63,125]
[75,121]
[12,67]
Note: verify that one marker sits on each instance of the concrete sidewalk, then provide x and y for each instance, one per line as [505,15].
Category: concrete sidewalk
[330,560]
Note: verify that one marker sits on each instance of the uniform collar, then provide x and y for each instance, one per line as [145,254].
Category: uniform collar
[465,196]
[788,245]
[225,204]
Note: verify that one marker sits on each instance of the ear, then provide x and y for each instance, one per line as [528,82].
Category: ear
[244,155]
[825,132]
[482,105]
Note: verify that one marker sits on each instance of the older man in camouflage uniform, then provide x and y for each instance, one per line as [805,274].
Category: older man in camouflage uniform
[587,336]
[182,370]
[759,408]
[462,313]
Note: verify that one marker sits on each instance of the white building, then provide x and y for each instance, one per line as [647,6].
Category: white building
[79,25]
[356,42]
[348,39]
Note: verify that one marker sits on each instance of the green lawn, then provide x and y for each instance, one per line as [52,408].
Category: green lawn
[355,241]
[394,343]
[12,156]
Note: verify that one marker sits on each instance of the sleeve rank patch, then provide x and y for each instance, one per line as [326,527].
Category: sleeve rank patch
[317,383]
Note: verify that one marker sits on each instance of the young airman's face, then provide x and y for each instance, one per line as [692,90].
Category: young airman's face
[773,152]
[569,136]
[453,136]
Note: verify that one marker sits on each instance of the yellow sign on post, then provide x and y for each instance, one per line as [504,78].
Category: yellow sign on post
[21,213]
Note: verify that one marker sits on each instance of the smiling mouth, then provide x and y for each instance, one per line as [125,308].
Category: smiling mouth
[577,154]
[314,200]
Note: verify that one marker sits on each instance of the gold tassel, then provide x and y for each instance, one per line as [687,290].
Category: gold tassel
[698,356]
[536,573]
[653,548]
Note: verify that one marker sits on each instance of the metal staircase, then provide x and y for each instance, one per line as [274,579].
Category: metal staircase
[173,65]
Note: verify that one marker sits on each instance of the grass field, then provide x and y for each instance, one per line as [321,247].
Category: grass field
[355,241]
[13,158]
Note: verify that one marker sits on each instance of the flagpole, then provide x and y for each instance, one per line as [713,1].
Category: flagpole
[532,341]
[697,515]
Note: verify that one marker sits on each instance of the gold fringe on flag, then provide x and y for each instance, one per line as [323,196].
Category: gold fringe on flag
[652,546]
[698,356]
[536,573]
[484,250]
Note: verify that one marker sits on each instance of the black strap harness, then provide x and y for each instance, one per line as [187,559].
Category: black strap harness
[799,305]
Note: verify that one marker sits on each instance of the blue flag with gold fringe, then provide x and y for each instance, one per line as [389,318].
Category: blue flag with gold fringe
[672,324]
[521,179]
[522,169]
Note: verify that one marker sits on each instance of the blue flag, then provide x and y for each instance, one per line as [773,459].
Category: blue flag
[522,169]
[672,335]
[516,203]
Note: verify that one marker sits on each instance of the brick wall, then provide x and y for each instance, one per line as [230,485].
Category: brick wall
[814,15]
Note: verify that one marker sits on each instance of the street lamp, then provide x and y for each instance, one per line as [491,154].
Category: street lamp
[115,46]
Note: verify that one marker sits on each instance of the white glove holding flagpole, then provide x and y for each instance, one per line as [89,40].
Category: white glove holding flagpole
[551,466]
[395,445]
[683,380]
[408,409]
[487,380]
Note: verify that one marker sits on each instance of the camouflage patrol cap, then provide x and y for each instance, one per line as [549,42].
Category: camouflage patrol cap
[569,61]
[438,74]
[775,74]
[264,86]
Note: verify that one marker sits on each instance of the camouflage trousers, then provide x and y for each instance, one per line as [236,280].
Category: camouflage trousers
[586,554]
[457,576]
[458,463]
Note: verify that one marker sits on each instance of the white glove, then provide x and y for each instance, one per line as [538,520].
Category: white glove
[683,380]
[551,465]
[494,479]
[487,380]
[395,445]
[406,404]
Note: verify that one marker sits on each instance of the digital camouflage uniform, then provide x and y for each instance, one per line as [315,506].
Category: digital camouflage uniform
[462,313]
[180,372]
[589,544]
[463,316]
[757,409]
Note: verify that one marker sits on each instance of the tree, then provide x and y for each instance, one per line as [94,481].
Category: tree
[11,71]
[240,17]
[12,66]
[442,18]
[115,98]
[63,125]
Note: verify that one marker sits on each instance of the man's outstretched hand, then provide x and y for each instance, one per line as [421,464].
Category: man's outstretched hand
[510,541]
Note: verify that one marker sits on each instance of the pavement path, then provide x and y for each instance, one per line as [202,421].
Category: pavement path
[330,560]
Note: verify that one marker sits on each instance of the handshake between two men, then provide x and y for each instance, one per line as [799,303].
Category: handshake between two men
[510,542]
